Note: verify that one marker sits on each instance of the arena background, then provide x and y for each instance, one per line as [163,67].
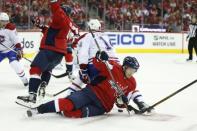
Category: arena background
[134,26]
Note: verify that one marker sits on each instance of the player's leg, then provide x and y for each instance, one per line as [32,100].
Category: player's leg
[39,63]
[77,100]
[2,56]
[18,68]
[43,62]
[63,104]
[190,49]
[195,44]
[46,76]
[87,111]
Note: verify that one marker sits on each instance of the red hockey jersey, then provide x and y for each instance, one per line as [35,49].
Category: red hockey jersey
[105,93]
[55,37]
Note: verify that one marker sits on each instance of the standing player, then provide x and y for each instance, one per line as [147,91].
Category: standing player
[98,97]
[52,49]
[192,36]
[86,50]
[10,46]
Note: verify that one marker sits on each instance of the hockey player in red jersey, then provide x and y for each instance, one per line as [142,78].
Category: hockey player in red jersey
[98,97]
[10,46]
[52,49]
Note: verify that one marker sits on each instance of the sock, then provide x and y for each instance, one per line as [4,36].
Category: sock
[34,84]
[46,76]
[35,79]
[19,71]
[48,107]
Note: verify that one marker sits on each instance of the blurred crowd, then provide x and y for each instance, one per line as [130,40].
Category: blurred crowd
[174,15]
[22,11]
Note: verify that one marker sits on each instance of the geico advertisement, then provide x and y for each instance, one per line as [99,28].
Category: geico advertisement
[30,41]
[146,40]
[151,42]
[125,39]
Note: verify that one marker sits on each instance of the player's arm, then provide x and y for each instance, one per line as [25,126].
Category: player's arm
[37,23]
[138,99]
[55,6]
[13,35]
[83,53]
[58,15]
[69,60]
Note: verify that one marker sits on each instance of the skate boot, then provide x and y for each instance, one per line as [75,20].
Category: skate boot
[26,84]
[41,90]
[30,98]
[189,59]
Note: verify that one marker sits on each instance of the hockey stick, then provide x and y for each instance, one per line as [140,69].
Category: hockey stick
[56,94]
[61,75]
[29,107]
[171,95]
[56,76]
[15,52]
[118,90]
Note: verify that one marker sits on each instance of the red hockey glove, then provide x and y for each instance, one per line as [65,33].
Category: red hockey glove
[19,51]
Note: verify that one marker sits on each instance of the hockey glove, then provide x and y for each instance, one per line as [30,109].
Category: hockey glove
[19,51]
[83,73]
[84,76]
[36,21]
[69,69]
[143,107]
[121,101]
[102,55]
[98,79]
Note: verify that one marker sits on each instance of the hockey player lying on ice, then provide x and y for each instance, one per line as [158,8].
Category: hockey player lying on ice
[98,97]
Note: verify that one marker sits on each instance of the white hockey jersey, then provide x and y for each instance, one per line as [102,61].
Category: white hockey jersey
[8,38]
[87,48]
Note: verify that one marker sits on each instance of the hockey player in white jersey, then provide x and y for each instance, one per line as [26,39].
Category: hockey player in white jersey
[10,46]
[86,50]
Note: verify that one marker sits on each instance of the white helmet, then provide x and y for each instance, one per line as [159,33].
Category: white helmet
[4,16]
[94,24]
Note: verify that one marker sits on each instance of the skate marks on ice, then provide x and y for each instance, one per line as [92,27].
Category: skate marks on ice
[159,117]
[191,128]
[183,61]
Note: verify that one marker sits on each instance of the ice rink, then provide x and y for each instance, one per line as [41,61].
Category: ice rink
[159,75]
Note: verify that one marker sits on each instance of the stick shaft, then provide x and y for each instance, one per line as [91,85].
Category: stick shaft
[118,90]
[174,93]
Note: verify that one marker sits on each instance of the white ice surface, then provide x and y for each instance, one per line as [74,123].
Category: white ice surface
[159,75]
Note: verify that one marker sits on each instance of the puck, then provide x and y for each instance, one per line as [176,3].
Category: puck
[120,110]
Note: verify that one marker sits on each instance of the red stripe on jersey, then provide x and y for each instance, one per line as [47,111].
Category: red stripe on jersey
[35,70]
[75,114]
[74,45]
[10,26]
[65,105]
[68,57]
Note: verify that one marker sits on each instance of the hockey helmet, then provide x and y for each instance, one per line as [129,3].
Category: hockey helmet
[94,24]
[66,9]
[131,62]
[4,16]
